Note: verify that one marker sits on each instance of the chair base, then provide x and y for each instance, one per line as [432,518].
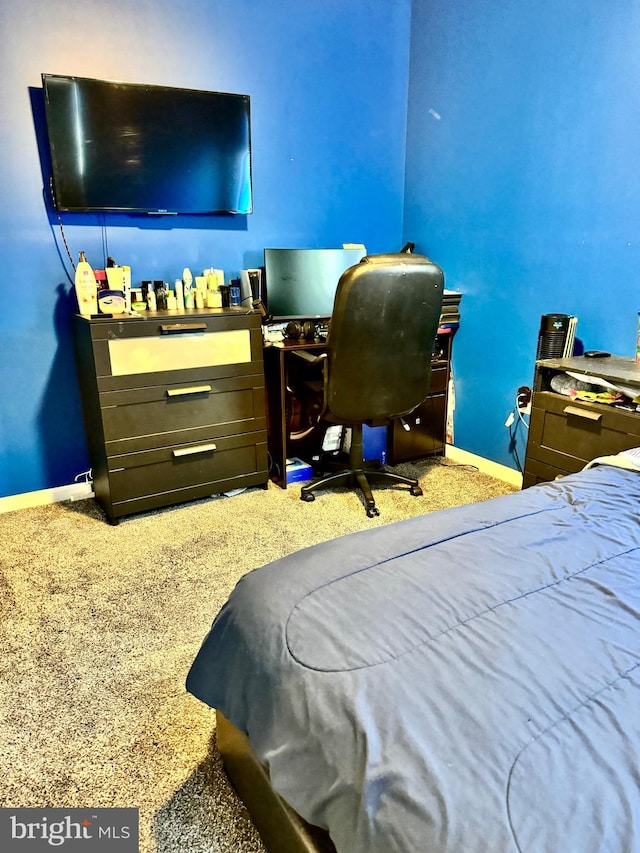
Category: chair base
[359,477]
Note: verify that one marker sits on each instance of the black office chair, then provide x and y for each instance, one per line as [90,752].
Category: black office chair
[377,365]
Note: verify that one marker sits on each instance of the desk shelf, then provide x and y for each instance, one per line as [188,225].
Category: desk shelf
[277,363]
[427,435]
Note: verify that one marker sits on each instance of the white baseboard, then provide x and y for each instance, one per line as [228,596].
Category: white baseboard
[493,469]
[74,492]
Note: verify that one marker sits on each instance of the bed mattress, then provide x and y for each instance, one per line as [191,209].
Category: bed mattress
[463,681]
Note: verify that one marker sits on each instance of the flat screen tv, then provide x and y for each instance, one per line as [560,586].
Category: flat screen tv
[147,149]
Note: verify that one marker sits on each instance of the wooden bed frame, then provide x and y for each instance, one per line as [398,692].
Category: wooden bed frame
[281,829]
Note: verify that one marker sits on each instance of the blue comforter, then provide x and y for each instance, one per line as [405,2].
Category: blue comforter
[464,681]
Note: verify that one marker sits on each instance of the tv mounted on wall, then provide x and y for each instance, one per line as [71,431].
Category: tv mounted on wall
[147,149]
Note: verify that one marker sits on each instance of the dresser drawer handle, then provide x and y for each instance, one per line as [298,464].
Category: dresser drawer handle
[191,451]
[194,389]
[585,414]
[182,328]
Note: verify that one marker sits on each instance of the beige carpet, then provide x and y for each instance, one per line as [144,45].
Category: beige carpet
[100,624]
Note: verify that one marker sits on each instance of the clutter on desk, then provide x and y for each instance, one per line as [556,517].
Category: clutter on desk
[450,313]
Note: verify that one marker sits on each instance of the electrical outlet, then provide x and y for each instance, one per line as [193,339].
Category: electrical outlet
[523,399]
[524,395]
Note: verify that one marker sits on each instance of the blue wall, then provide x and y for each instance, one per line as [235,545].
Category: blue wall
[328,83]
[522,182]
[522,159]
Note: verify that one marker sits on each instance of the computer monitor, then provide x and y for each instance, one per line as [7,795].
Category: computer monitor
[301,283]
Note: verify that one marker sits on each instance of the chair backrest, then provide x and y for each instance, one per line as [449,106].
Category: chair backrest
[383,327]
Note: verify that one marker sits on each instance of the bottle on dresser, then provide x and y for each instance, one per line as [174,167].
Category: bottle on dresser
[86,288]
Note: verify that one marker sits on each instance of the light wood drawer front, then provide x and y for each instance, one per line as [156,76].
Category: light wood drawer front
[135,356]
[183,467]
[170,409]
[164,349]
[566,433]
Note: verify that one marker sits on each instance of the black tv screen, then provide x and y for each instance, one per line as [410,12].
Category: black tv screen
[148,149]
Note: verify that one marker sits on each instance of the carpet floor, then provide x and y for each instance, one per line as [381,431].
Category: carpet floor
[100,624]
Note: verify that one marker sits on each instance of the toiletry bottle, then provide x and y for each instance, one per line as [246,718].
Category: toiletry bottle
[178,287]
[187,278]
[160,289]
[126,286]
[214,298]
[234,291]
[86,288]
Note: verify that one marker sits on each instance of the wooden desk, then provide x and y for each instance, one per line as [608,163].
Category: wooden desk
[427,435]
[277,364]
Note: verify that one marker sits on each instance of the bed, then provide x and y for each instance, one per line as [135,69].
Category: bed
[463,681]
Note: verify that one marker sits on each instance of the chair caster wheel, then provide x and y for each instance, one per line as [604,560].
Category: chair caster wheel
[372,511]
[309,497]
[416,491]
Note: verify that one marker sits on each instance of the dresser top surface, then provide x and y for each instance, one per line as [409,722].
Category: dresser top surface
[612,368]
[169,314]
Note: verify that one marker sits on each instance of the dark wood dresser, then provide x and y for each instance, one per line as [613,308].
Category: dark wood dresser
[565,433]
[174,406]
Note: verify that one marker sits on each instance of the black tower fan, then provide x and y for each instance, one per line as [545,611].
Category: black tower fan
[557,336]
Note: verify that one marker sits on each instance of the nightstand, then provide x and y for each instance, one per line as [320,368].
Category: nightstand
[565,433]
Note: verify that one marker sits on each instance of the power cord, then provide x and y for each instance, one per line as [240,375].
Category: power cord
[513,447]
[62,234]
[442,460]
[104,235]
[523,403]
[522,407]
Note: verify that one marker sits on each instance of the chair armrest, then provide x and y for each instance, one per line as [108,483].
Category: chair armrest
[308,357]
